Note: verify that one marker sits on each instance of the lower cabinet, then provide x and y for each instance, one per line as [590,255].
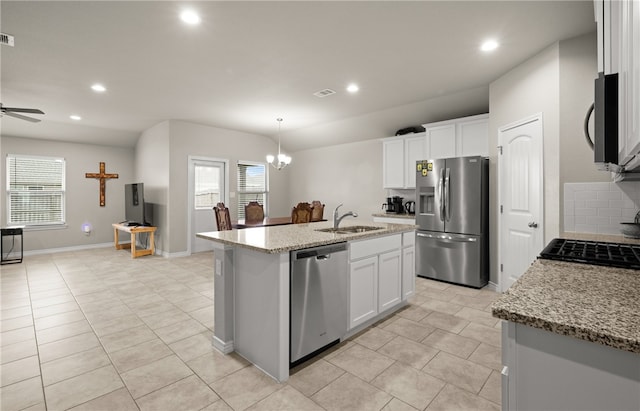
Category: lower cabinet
[408,271]
[375,277]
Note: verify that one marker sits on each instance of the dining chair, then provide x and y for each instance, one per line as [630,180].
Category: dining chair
[317,210]
[223,219]
[301,213]
[253,213]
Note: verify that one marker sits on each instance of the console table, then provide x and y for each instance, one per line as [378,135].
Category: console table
[133,230]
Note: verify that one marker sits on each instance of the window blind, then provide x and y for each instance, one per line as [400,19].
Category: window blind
[35,189]
[252,185]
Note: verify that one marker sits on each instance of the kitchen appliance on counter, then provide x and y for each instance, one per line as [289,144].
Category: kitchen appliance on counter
[410,207]
[593,252]
[452,214]
[394,205]
[318,300]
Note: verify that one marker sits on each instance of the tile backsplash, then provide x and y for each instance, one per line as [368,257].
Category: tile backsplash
[600,207]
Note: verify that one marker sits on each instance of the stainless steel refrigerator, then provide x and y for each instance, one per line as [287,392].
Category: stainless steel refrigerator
[452,214]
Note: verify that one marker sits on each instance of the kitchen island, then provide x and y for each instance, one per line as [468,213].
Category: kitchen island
[571,338]
[252,269]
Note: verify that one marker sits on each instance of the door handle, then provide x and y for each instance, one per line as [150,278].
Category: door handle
[533,224]
[446,195]
[441,195]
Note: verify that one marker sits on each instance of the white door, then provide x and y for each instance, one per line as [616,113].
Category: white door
[389,280]
[207,187]
[521,197]
[363,286]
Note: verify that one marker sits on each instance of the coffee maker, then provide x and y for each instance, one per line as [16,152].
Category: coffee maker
[394,205]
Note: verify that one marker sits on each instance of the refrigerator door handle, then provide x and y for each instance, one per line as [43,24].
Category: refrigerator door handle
[448,238]
[446,194]
[441,195]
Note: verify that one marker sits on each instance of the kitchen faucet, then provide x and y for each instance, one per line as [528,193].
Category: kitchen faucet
[336,219]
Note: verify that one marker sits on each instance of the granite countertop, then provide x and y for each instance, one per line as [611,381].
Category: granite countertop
[593,303]
[284,238]
[395,215]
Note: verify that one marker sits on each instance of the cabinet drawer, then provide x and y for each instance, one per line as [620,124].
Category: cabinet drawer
[365,248]
[408,239]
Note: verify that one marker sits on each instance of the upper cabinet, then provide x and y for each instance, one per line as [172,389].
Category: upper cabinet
[399,156]
[462,137]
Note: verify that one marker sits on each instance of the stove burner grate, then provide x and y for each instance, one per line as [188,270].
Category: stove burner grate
[593,252]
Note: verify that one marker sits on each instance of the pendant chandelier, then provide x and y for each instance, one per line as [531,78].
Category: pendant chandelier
[282,160]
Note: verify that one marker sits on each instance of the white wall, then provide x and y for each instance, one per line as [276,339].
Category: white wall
[82,194]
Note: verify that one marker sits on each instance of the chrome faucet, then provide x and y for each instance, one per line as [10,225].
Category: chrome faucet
[336,219]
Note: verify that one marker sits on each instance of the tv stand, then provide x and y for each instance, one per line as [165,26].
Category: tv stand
[133,230]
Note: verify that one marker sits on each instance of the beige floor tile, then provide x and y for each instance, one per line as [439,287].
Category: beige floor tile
[214,366]
[193,304]
[477,302]
[187,394]
[412,386]
[118,400]
[9,313]
[477,316]
[17,351]
[59,319]
[21,395]
[19,370]
[204,316]
[15,323]
[82,388]
[62,348]
[436,285]
[117,311]
[487,355]
[351,393]
[115,325]
[287,398]
[362,362]
[16,336]
[55,309]
[73,365]
[410,329]
[457,371]
[96,306]
[165,319]
[179,331]
[483,333]
[408,352]
[466,291]
[63,331]
[150,377]
[139,355]
[313,377]
[194,346]
[441,306]
[245,387]
[451,343]
[492,389]
[446,322]
[127,338]
[374,338]
[452,398]
[413,313]
[39,300]
[397,405]
[439,295]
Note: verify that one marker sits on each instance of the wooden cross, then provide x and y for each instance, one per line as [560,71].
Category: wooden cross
[103,178]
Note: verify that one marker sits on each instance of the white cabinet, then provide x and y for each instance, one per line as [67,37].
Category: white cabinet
[375,277]
[408,265]
[467,136]
[399,156]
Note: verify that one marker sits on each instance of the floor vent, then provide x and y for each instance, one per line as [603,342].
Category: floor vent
[324,93]
[6,39]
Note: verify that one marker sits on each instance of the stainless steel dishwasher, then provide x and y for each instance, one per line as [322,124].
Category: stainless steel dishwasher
[318,311]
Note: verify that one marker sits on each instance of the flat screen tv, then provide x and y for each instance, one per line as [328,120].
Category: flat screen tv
[135,210]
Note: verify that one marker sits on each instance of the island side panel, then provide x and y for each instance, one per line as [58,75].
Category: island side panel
[261,308]
[223,297]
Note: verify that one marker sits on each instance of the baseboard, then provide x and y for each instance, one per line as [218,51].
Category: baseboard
[66,249]
[223,347]
[492,286]
[167,254]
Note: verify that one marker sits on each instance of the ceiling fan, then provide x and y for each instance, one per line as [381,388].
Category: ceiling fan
[13,112]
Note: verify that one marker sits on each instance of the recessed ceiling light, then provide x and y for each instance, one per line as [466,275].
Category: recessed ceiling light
[353,88]
[75,117]
[489,45]
[99,88]
[190,17]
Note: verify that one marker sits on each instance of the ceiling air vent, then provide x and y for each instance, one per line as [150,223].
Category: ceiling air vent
[6,39]
[324,93]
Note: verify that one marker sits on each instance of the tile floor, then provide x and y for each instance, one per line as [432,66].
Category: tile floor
[96,330]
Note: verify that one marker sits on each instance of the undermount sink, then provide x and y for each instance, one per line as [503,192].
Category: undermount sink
[349,230]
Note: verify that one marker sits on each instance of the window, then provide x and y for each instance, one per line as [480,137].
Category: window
[207,185]
[252,185]
[35,190]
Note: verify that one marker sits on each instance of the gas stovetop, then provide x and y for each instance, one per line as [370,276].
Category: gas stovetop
[593,252]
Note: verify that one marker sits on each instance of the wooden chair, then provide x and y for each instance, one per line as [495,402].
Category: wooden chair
[223,219]
[253,213]
[317,210]
[301,213]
